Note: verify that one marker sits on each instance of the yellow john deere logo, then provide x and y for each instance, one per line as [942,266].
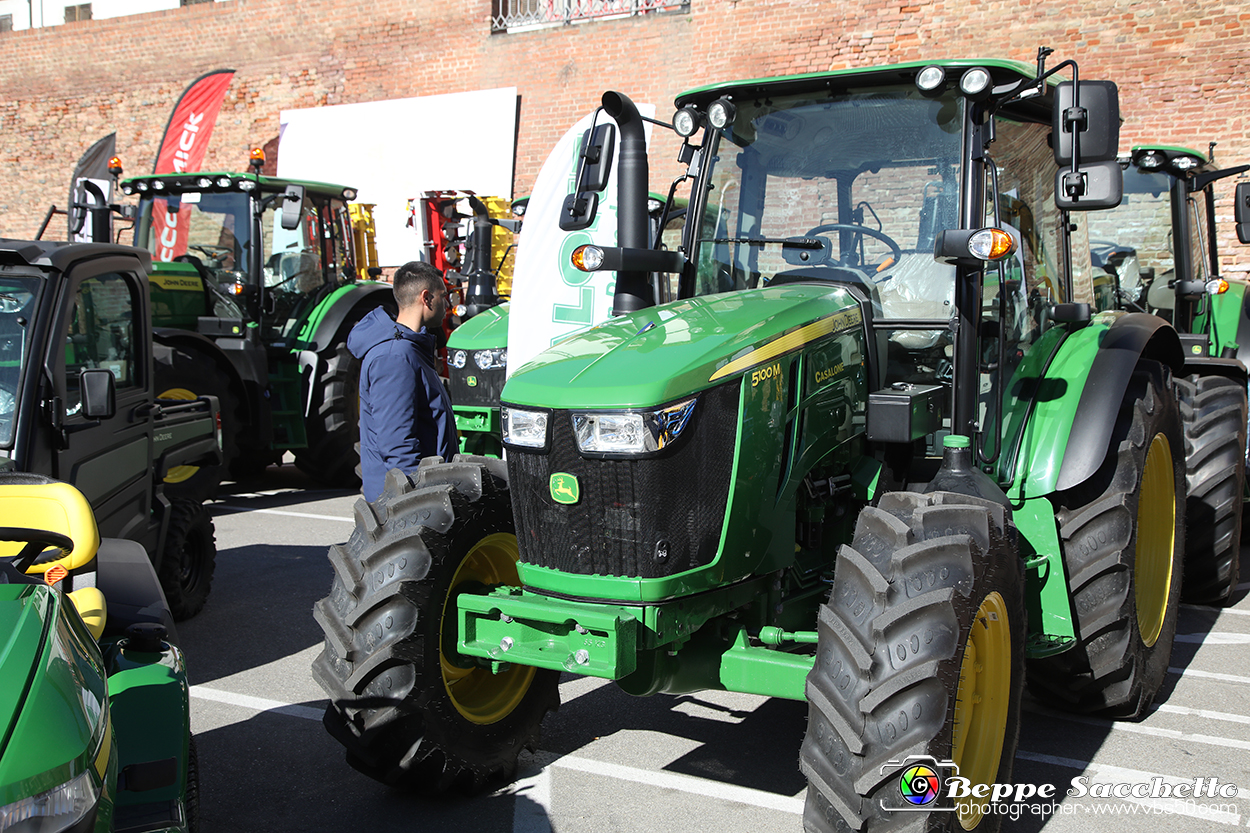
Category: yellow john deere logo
[472,380]
[564,488]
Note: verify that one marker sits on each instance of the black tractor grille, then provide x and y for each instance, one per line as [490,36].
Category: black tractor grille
[644,518]
[484,394]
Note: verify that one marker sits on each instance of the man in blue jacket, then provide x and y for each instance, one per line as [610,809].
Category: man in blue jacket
[405,414]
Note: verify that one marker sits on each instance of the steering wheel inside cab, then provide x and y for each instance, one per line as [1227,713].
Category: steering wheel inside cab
[848,256]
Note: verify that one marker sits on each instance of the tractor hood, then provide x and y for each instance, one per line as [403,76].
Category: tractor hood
[660,354]
[52,694]
[486,330]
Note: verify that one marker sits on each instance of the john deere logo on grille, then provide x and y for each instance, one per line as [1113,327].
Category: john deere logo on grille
[472,380]
[565,488]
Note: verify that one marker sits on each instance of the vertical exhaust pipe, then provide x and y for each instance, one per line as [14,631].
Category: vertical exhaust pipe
[633,288]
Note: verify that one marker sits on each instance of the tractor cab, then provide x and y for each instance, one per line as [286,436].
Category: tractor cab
[242,247]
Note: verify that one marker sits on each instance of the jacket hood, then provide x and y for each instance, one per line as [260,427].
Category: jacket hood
[378,327]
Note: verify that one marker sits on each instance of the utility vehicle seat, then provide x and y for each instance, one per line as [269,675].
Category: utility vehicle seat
[33,501]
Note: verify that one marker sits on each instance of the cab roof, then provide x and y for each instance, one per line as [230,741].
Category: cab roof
[192,181]
[1003,72]
[60,255]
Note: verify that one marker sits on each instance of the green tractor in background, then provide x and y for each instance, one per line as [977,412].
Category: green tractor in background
[256,283]
[477,350]
[878,454]
[1158,253]
[94,716]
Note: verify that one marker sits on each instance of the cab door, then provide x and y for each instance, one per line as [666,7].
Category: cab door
[103,324]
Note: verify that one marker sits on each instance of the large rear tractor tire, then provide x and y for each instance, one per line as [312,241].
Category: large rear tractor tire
[1214,412]
[333,422]
[187,375]
[920,653]
[189,558]
[1122,534]
[409,710]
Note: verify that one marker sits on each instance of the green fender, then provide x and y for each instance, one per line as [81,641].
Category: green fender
[1066,396]
[1064,409]
[318,330]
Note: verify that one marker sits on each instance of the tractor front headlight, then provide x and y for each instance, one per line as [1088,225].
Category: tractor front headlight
[60,808]
[632,432]
[527,429]
[491,359]
[457,358]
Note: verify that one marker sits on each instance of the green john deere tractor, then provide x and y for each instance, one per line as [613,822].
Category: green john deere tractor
[877,454]
[94,717]
[1158,253]
[255,287]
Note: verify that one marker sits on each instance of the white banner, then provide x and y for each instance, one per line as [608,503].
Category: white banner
[550,298]
[392,151]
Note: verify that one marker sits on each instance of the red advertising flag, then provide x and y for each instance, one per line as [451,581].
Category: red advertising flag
[182,149]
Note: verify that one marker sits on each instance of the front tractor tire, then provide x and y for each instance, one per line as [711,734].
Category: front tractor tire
[1214,411]
[1122,534]
[408,709]
[920,652]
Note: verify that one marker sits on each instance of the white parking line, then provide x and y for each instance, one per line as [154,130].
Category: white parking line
[1204,713]
[1216,610]
[241,509]
[1209,675]
[257,704]
[1214,638]
[688,784]
[1114,774]
[1140,728]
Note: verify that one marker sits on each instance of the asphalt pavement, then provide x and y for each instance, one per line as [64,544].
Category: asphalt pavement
[713,761]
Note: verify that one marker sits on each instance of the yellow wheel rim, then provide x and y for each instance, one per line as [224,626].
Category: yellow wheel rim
[480,696]
[1156,541]
[981,702]
[179,474]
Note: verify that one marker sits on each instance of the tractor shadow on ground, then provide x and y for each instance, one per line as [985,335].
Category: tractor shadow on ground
[283,771]
[754,746]
[290,487]
[259,610]
[1055,746]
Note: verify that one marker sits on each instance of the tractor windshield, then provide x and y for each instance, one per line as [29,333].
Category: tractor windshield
[209,230]
[214,232]
[846,187]
[19,297]
[1132,245]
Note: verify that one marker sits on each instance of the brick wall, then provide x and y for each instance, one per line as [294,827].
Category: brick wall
[1181,68]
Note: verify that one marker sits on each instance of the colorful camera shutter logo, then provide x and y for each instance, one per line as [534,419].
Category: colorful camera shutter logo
[920,785]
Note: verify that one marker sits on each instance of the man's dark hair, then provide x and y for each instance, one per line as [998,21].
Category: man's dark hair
[412,279]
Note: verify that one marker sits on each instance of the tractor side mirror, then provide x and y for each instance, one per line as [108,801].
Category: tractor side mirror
[99,393]
[292,206]
[594,164]
[1241,212]
[1091,187]
[1085,129]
